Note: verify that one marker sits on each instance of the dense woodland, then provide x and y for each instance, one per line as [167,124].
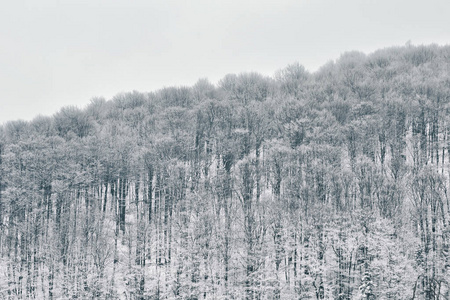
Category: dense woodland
[324,185]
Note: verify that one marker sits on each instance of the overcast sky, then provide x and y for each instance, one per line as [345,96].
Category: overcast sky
[55,53]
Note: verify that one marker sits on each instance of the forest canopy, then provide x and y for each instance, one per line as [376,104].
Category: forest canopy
[323,185]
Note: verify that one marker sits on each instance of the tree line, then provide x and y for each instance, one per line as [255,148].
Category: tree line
[324,185]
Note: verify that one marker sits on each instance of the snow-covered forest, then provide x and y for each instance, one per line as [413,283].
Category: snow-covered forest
[324,185]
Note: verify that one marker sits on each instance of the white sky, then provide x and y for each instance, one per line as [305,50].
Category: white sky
[55,53]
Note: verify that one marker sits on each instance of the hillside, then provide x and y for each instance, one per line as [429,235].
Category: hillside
[324,185]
